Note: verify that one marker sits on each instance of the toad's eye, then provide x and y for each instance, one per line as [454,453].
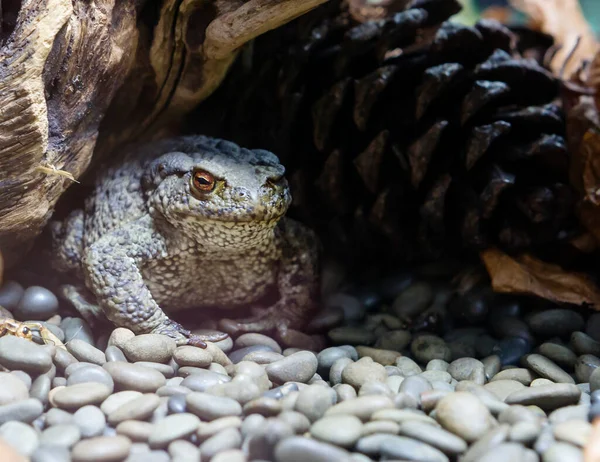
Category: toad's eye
[203,181]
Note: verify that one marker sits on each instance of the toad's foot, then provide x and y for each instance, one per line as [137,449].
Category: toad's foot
[183,336]
[270,320]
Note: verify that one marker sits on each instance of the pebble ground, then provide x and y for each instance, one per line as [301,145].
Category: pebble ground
[490,378]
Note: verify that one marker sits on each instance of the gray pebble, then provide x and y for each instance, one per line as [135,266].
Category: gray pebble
[555,322]
[36,303]
[491,439]
[263,357]
[164,369]
[407,366]
[344,392]
[187,355]
[281,391]
[414,386]
[437,365]
[561,452]
[61,435]
[135,430]
[362,407]
[139,408]
[362,371]
[184,451]
[101,449]
[434,436]
[262,443]
[351,335]
[12,388]
[525,432]
[547,368]
[23,377]
[10,294]
[90,420]
[209,407]
[22,437]
[63,359]
[20,354]
[426,347]
[171,428]
[506,451]
[40,388]
[116,400]
[149,347]
[330,355]
[503,388]
[299,422]
[91,373]
[300,449]
[395,340]
[26,410]
[584,344]
[575,432]
[83,351]
[51,454]
[114,353]
[77,328]
[567,413]
[253,338]
[547,397]
[208,429]
[230,455]
[79,395]
[518,373]
[298,367]
[56,416]
[203,380]
[464,415]
[517,413]
[134,377]
[313,401]
[467,369]
[412,301]
[341,430]
[400,447]
[177,404]
[229,438]
[586,364]
[560,354]
[335,373]
[380,426]
[375,388]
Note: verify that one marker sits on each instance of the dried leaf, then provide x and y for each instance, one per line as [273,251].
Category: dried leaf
[528,275]
[590,151]
[564,20]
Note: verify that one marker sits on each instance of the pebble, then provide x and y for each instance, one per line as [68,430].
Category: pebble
[26,410]
[561,452]
[351,335]
[584,344]
[192,356]
[83,351]
[184,451]
[20,436]
[556,322]
[547,397]
[362,371]
[503,388]
[90,420]
[464,415]
[395,340]
[171,428]
[20,354]
[101,449]
[51,454]
[36,303]
[297,367]
[135,430]
[129,376]
[300,449]
[119,337]
[439,438]
[61,435]
[229,438]
[91,373]
[40,388]
[10,294]
[362,407]
[383,357]
[11,388]
[209,407]
[560,354]
[517,374]
[547,368]
[400,447]
[250,339]
[75,396]
[149,347]
[407,366]
[575,432]
[313,401]
[202,380]
[586,364]
[139,408]
[341,430]
[426,347]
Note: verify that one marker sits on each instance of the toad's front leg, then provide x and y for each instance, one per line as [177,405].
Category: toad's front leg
[298,283]
[112,272]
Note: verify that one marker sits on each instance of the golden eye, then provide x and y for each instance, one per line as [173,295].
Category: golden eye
[203,181]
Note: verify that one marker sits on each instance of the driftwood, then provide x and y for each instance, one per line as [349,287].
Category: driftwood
[78,79]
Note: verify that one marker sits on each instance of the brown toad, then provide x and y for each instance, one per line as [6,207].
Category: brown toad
[190,223]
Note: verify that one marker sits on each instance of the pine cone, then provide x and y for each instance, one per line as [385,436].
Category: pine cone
[409,136]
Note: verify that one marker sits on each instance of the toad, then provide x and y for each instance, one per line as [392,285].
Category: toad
[190,223]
